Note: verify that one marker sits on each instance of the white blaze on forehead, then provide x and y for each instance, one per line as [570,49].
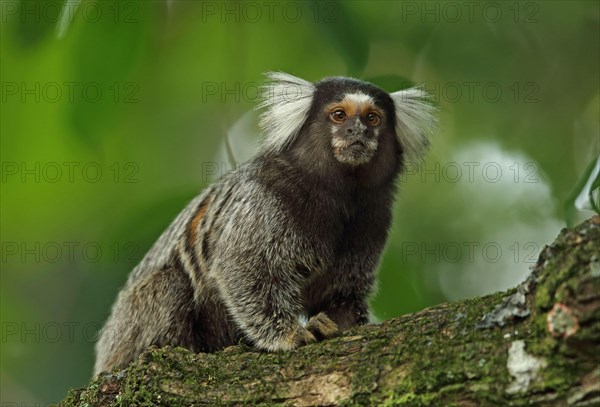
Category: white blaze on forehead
[359,98]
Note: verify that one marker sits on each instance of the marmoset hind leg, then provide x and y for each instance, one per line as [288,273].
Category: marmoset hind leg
[158,310]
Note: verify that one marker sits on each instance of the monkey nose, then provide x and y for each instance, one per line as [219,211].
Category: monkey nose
[357,130]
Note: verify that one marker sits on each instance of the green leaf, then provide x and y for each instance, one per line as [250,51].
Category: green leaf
[108,48]
[338,25]
[580,187]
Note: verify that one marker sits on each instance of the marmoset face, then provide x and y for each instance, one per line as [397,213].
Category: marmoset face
[354,116]
[355,126]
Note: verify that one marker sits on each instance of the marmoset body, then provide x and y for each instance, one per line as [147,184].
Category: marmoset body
[283,251]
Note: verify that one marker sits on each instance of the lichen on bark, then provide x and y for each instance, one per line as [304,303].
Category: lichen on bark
[536,344]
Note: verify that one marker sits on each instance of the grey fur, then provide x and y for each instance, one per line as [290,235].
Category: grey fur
[296,232]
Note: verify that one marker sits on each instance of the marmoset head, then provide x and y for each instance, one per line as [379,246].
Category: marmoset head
[352,115]
[344,122]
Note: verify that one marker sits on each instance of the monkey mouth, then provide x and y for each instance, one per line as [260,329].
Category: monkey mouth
[354,152]
[357,145]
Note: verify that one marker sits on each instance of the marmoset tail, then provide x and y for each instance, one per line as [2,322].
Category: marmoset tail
[283,251]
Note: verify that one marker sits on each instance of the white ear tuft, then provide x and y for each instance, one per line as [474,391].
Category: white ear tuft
[416,121]
[288,100]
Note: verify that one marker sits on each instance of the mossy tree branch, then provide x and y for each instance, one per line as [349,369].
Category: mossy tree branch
[536,344]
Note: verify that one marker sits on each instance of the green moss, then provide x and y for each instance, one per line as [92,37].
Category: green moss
[439,356]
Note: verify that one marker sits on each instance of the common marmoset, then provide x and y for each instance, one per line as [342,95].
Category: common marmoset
[282,251]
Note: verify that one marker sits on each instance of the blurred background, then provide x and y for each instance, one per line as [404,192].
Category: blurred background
[115,114]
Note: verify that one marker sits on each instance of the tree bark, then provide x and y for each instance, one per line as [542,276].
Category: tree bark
[536,344]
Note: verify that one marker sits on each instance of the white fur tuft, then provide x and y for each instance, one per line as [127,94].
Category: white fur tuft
[415,121]
[359,98]
[288,100]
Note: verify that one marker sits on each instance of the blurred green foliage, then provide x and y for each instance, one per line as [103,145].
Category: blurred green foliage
[114,113]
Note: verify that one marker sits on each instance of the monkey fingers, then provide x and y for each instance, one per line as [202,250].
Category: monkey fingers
[301,336]
[322,326]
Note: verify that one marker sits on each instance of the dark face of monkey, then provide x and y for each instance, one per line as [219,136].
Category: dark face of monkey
[355,123]
[349,128]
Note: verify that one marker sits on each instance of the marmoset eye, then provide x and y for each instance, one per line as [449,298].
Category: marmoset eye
[338,116]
